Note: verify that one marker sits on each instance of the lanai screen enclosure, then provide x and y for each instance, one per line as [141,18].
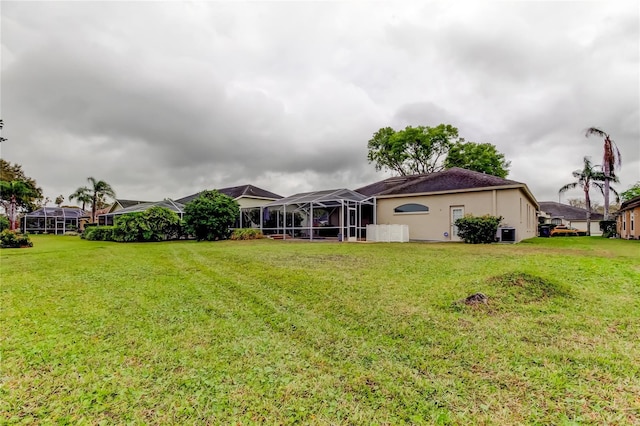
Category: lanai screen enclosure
[53,220]
[340,213]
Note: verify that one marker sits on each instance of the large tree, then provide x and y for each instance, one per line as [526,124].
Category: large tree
[413,150]
[611,160]
[480,157]
[98,190]
[31,198]
[589,177]
[13,195]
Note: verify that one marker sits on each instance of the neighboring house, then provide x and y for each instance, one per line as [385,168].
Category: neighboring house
[54,220]
[104,216]
[250,198]
[109,218]
[563,214]
[627,217]
[430,204]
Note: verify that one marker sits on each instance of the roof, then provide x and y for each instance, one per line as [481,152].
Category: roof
[128,203]
[325,198]
[65,212]
[567,212]
[140,207]
[453,179]
[630,204]
[236,192]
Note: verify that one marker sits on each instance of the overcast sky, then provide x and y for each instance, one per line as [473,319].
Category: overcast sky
[165,99]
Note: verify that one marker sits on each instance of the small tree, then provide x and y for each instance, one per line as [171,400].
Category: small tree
[210,216]
[478,229]
[59,200]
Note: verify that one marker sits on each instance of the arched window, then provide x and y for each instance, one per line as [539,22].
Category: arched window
[411,208]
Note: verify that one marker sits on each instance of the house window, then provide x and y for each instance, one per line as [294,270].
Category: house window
[556,221]
[411,208]
[632,217]
[624,222]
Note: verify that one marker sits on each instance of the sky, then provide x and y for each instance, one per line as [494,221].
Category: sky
[166,99]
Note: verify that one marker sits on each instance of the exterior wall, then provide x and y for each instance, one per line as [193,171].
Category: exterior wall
[513,205]
[628,226]
[247,202]
[582,225]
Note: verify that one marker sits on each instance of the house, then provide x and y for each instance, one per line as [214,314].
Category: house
[250,198]
[109,218]
[626,219]
[429,204]
[105,216]
[54,220]
[563,214]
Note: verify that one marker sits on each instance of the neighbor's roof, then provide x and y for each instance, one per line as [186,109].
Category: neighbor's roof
[630,204]
[453,179]
[566,211]
[128,203]
[65,212]
[140,207]
[236,192]
[326,198]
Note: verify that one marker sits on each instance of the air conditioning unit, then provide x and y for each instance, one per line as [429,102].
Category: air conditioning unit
[507,235]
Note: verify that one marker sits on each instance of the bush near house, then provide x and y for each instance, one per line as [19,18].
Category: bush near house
[210,216]
[4,223]
[608,228]
[11,239]
[478,229]
[246,234]
[155,224]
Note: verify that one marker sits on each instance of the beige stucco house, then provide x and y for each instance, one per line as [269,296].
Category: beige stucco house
[575,217]
[429,204]
[627,219]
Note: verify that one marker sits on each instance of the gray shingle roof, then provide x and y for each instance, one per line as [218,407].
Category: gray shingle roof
[567,212]
[447,180]
[236,192]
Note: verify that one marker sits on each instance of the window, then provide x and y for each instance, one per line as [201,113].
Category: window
[411,208]
[556,221]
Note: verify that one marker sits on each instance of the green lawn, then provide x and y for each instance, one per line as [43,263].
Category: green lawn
[320,333]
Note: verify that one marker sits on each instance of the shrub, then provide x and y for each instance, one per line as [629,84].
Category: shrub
[4,223]
[246,234]
[478,230]
[11,239]
[608,228]
[99,233]
[210,216]
[154,224]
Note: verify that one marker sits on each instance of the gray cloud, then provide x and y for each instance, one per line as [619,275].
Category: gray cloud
[166,99]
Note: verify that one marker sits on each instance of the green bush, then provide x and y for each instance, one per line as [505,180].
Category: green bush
[99,233]
[608,228]
[478,229]
[246,234]
[4,223]
[210,216]
[11,239]
[154,224]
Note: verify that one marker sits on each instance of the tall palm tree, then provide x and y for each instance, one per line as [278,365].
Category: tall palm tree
[610,161]
[590,176]
[98,189]
[82,195]
[14,191]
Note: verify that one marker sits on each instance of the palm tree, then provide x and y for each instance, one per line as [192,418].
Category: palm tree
[82,195]
[98,189]
[590,176]
[14,191]
[611,159]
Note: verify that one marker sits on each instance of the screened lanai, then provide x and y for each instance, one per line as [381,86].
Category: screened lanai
[335,213]
[53,220]
[174,206]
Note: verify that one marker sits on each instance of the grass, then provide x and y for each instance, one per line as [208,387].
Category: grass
[320,333]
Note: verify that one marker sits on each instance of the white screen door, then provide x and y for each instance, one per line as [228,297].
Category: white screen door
[456,213]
